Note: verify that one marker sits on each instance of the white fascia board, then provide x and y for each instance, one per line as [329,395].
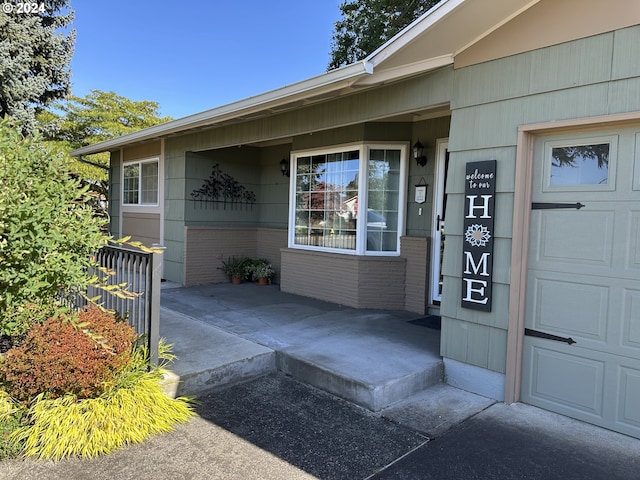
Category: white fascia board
[407,70]
[326,82]
[410,33]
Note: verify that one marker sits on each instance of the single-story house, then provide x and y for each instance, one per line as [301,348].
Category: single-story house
[521,229]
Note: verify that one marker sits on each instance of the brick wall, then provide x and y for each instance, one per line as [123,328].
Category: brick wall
[206,247]
[394,283]
[269,242]
[415,250]
[354,281]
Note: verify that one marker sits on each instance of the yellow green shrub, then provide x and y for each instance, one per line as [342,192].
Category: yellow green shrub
[130,412]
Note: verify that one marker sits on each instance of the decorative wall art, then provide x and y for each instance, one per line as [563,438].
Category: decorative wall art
[222,188]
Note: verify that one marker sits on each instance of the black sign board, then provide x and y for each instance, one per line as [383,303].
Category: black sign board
[477,250]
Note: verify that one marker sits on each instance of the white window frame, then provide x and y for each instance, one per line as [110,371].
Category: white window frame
[143,206]
[361,228]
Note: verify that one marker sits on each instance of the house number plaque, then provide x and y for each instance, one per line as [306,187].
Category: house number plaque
[477,250]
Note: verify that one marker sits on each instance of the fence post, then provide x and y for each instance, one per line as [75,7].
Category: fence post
[154,321]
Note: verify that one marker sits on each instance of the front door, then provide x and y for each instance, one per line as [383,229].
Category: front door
[439,212]
[582,339]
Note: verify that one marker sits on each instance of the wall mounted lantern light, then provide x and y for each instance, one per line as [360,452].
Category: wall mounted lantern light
[284,167]
[418,154]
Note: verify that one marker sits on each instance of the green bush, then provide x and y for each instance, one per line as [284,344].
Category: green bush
[63,357]
[47,227]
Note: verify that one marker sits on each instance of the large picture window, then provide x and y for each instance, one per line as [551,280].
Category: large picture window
[140,183]
[349,200]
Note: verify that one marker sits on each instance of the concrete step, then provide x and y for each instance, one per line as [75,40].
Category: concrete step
[209,357]
[362,388]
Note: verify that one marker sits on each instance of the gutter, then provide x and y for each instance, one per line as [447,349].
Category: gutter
[326,82]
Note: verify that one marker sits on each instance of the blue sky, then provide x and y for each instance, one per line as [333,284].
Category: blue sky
[193,56]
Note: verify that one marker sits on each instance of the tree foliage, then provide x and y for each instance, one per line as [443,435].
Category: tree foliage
[99,116]
[80,121]
[35,52]
[47,230]
[368,24]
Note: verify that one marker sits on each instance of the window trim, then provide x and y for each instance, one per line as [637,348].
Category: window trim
[143,206]
[361,229]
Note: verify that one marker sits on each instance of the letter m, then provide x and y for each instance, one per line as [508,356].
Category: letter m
[481,266]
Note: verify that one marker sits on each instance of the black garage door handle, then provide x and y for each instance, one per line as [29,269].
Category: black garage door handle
[548,206]
[535,333]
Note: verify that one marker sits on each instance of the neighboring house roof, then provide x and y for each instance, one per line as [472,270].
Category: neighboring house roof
[432,41]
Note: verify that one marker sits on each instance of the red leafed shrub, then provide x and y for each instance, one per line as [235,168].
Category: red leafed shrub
[58,357]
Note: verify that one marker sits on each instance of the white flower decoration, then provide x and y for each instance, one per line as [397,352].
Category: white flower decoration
[477,235]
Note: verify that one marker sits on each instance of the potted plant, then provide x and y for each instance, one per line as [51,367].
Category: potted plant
[261,271]
[235,268]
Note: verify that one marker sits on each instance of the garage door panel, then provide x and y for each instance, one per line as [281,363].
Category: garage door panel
[631,320]
[582,238]
[633,241]
[628,413]
[562,306]
[550,373]
[636,168]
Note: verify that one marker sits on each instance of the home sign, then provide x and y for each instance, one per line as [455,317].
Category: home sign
[477,250]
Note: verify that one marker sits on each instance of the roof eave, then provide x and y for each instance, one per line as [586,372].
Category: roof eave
[324,83]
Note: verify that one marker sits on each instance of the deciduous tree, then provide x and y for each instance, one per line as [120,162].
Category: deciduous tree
[99,116]
[367,24]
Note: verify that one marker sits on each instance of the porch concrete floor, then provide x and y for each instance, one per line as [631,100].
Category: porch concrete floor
[224,334]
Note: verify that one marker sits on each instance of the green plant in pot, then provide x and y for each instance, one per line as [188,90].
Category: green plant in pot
[261,271]
[236,268]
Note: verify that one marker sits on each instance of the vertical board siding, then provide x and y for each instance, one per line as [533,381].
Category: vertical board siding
[145,150]
[114,194]
[625,56]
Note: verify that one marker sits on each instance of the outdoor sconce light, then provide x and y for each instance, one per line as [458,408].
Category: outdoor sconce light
[284,167]
[418,154]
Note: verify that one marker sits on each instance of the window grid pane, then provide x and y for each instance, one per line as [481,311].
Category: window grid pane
[130,184]
[326,200]
[149,190]
[383,200]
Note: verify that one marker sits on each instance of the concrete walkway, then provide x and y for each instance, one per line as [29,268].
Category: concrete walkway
[230,333]
[256,423]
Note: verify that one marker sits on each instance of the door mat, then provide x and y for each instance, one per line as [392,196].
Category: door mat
[431,321]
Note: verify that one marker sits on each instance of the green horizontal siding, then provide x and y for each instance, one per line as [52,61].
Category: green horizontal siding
[599,75]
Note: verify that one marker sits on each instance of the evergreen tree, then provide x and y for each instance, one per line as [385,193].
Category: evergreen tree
[368,24]
[35,51]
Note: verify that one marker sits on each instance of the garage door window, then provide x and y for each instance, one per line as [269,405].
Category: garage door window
[580,164]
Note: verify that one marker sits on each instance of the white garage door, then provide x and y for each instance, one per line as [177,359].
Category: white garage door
[583,281]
